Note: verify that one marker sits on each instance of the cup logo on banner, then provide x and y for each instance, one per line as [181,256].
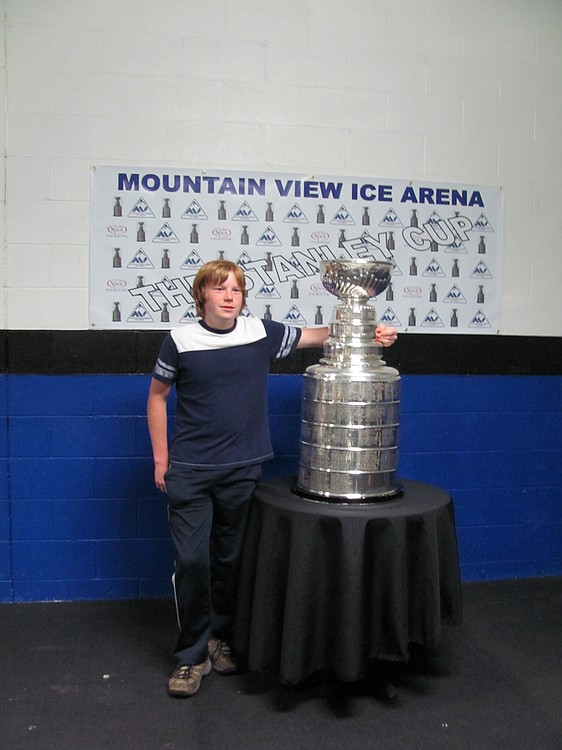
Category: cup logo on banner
[151,231]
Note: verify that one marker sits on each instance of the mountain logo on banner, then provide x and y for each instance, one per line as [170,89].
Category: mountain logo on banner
[141,208]
[192,261]
[294,317]
[456,247]
[268,291]
[482,224]
[167,283]
[432,320]
[455,295]
[389,318]
[295,215]
[194,211]
[140,315]
[391,219]
[245,213]
[434,218]
[294,262]
[269,238]
[342,216]
[189,315]
[433,269]
[481,272]
[243,260]
[479,321]
[140,260]
[396,270]
[165,234]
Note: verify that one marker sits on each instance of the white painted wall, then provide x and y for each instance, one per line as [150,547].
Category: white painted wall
[452,90]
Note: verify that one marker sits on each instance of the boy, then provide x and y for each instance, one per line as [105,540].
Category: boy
[220,368]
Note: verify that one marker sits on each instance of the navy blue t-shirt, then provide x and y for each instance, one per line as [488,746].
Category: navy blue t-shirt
[221,387]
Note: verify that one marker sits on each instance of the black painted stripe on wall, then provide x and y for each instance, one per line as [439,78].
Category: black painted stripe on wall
[134,352]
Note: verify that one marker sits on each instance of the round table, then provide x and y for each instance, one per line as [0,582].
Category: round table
[327,585]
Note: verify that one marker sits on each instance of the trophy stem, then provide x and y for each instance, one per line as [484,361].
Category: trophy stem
[351,340]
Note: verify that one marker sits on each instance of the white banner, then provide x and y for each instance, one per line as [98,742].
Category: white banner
[152,229]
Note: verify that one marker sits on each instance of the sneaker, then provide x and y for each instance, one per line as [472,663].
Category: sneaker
[187,678]
[221,656]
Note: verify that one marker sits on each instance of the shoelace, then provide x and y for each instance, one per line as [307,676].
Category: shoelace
[184,671]
[222,649]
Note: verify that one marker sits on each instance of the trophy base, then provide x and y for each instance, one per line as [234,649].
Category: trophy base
[326,497]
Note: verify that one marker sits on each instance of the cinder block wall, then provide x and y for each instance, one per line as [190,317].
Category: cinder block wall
[80,518]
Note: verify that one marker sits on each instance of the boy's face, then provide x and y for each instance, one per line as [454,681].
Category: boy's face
[223,303]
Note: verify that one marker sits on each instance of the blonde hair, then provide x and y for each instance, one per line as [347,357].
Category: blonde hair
[213,273]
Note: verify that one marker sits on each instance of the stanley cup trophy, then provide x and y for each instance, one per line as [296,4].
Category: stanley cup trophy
[350,406]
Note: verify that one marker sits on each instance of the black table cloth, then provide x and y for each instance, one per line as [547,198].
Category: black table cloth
[330,586]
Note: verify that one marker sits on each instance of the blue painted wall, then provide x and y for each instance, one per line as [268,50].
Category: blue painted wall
[80,519]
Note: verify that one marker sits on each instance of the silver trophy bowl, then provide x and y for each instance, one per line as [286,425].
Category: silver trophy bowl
[349,425]
[355,279]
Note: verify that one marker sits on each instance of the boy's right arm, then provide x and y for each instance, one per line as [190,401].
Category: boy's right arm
[158,429]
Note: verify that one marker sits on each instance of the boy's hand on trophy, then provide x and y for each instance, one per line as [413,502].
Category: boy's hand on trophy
[385,335]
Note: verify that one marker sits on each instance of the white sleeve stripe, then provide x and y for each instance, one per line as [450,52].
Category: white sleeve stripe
[164,370]
[287,343]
